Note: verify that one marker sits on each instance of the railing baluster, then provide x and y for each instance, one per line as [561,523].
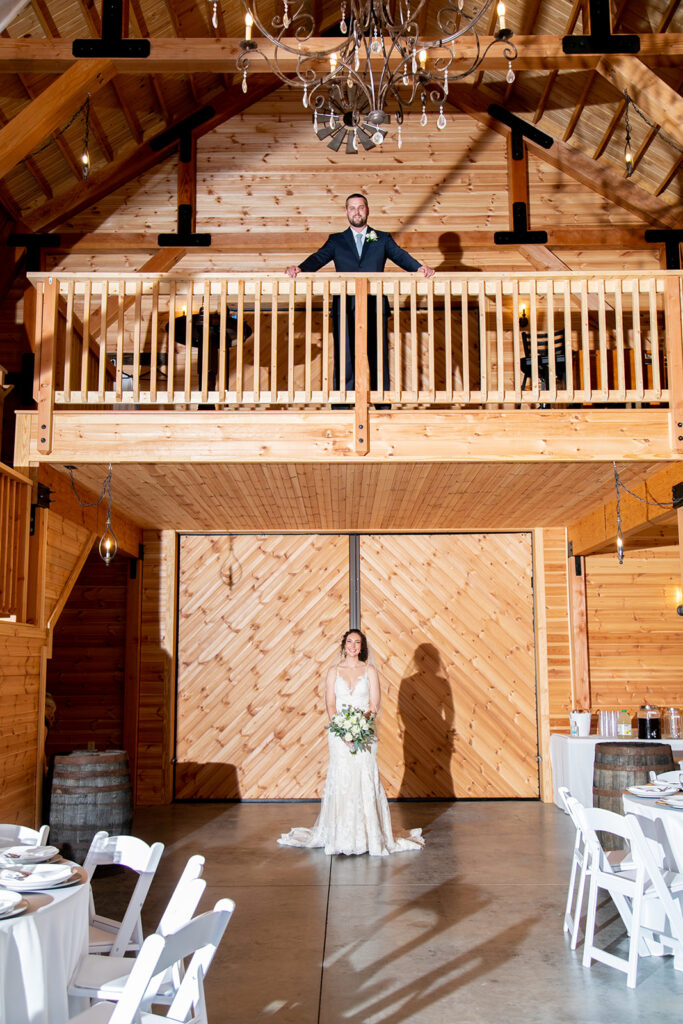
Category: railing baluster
[552,363]
[568,348]
[102,356]
[500,353]
[308,339]
[533,328]
[170,354]
[619,339]
[483,345]
[187,389]
[222,340]
[203,381]
[257,342]
[154,346]
[379,337]
[398,344]
[275,288]
[585,341]
[638,342]
[465,335]
[516,357]
[602,340]
[68,340]
[448,340]
[431,388]
[342,342]
[119,339]
[239,368]
[85,347]
[414,342]
[290,340]
[654,337]
[137,327]
[326,341]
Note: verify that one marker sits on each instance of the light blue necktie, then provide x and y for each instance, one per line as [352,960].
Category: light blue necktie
[359,243]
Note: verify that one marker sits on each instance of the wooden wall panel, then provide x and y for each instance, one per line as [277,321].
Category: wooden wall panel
[21,727]
[68,544]
[635,636]
[557,618]
[451,620]
[85,674]
[258,620]
[157,668]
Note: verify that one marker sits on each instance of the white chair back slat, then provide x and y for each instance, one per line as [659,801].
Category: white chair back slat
[22,835]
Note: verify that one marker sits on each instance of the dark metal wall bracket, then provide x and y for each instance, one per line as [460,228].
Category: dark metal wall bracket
[112,43]
[600,39]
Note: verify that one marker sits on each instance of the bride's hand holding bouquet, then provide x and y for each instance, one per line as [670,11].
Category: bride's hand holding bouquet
[354,726]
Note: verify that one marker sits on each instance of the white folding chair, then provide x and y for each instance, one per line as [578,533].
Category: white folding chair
[199,939]
[636,890]
[617,859]
[666,888]
[22,835]
[105,977]
[107,935]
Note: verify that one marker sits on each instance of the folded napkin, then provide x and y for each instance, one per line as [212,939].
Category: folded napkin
[8,901]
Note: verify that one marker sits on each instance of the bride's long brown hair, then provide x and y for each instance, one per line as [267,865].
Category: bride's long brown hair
[363,653]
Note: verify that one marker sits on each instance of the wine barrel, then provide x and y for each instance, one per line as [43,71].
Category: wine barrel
[90,791]
[620,765]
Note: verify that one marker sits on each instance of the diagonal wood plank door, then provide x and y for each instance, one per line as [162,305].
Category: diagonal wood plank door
[257,620]
[451,621]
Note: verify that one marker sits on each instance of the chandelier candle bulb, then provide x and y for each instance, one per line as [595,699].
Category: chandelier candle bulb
[423,58]
[248,22]
[500,11]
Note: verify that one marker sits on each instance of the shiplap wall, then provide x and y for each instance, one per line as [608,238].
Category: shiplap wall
[635,635]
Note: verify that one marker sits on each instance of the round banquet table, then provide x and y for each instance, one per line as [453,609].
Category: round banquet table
[662,823]
[39,950]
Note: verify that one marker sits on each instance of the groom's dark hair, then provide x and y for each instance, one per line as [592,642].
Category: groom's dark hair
[357,195]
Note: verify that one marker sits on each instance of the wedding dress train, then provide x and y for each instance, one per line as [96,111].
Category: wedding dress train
[354,813]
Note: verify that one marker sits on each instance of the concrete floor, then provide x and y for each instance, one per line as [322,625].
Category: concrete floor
[468,930]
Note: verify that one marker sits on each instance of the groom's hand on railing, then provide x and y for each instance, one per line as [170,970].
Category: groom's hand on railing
[293,271]
[425,271]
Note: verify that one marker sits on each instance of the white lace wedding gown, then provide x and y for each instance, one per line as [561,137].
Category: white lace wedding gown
[354,813]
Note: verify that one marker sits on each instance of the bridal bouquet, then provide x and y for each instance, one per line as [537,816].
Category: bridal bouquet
[354,726]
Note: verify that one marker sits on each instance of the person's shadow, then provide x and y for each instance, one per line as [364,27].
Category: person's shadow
[426,721]
[451,255]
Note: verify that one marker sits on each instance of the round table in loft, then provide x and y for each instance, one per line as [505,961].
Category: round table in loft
[39,950]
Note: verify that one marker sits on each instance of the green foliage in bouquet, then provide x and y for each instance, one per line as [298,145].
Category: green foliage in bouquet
[355,726]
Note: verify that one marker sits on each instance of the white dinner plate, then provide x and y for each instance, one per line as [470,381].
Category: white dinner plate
[653,792]
[17,909]
[27,854]
[674,801]
[33,878]
[8,902]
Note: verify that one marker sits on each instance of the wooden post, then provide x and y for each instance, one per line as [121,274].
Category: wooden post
[673,318]
[578,634]
[46,360]
[362,368]
[542,684]
[131,692]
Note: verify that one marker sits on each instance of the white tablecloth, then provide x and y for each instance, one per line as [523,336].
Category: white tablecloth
[572,758]
[662,823]
[38,953]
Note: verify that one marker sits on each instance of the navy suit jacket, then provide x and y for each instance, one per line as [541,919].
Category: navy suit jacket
[341,248]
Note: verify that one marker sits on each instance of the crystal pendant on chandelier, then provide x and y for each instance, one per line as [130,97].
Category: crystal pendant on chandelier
[510,77]
[214,17]
[285,17]
[244,81]
[378,138]
[343,27]
[441,121]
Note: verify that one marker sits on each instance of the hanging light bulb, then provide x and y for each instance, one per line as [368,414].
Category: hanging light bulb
[620,549]
[108,544]
[85,159]
[628,153]
[422,57]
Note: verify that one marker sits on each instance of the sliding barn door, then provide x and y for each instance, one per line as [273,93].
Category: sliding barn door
[450,618]
[257,620]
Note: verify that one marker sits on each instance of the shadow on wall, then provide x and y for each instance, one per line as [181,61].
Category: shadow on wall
[213,781]
[426,720]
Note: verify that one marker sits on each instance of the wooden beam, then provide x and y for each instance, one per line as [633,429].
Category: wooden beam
[518,435]
[50,110]
[597,531]
[578,635]
[540,598]
[603,180]
[132,164]
[280,239]
[657,99]
[173,56]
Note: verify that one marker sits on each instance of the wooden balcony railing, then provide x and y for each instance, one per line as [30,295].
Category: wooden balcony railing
[456,340]
[15,516]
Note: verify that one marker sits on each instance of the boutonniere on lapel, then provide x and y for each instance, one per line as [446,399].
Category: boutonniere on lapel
[371,236]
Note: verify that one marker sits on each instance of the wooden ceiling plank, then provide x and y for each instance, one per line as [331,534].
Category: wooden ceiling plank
[668,15]
[668,178]
[611,128]
[40,179]
[131,165]
[50,109]
[657,99]
[577,8]
[94,20]
[177,28]
[590,80]
[141,21]
[602,180]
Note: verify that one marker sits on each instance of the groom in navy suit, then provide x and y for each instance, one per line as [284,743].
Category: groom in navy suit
[360,249]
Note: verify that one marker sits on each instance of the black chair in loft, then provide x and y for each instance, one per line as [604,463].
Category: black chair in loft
[543,359]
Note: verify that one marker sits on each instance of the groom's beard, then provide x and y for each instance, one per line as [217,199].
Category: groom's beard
[357,220]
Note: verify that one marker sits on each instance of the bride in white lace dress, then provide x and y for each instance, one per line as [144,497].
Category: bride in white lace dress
[354,813]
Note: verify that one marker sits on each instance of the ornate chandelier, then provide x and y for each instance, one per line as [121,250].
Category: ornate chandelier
[376,65]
